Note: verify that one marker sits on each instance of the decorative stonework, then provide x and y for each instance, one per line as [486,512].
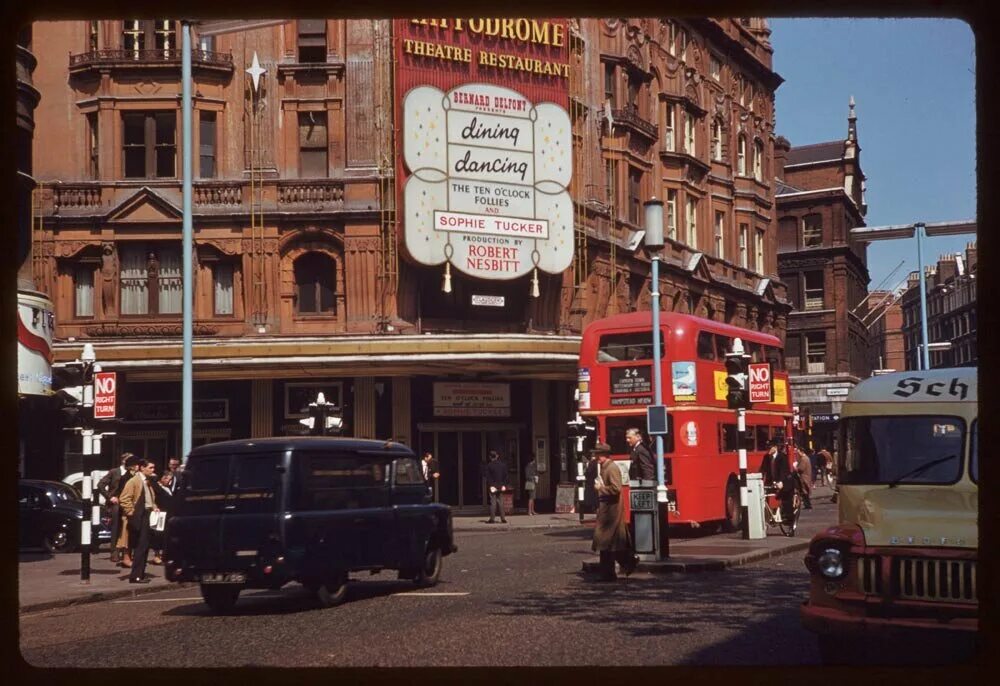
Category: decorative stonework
[116,330]
[71,248]
[226,246]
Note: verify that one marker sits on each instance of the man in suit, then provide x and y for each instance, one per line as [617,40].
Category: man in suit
[496,483]
[431,471]
[138,501]
[110,487]
[643,466]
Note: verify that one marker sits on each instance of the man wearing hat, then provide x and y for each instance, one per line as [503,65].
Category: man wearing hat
[777,471]
[611,537]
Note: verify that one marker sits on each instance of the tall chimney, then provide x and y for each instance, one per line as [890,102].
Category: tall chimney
[781,148]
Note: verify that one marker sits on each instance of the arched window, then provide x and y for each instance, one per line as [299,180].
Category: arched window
[315,279]
[758,160]
[741,156]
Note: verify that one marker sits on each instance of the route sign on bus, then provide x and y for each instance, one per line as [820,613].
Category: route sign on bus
[105,391]
[761,389]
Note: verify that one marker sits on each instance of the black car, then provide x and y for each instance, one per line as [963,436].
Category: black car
[265,512]
[49,516]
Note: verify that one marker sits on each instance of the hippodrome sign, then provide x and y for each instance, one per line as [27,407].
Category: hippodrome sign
[760,383]
[488,186]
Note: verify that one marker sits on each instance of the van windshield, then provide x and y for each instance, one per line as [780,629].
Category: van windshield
[902,450]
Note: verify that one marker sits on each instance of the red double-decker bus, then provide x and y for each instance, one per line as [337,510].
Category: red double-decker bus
[700,450]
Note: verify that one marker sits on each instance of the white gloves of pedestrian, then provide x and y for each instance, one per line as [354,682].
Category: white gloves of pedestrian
[493,489]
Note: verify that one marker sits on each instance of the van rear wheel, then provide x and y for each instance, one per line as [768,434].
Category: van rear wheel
[430,572]
[734,511]
[333,591]
[220,598]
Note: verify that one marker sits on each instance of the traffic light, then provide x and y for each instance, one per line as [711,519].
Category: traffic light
[581,427]
[737,377]
[74,385]
[322,419]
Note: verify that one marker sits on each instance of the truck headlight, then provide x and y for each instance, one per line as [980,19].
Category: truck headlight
[831,563]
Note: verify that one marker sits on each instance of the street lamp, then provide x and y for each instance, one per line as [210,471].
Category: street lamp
[654,243]
[920,229]
[205,28]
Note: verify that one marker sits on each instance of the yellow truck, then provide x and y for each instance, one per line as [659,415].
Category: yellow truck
[900,566]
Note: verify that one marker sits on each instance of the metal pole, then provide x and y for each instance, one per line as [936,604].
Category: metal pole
[741,430]
[95,520]
[85,537]
[188,241]
[581,477]
[925,355]
[663,540]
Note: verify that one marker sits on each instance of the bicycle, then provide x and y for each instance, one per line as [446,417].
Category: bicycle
[772,511]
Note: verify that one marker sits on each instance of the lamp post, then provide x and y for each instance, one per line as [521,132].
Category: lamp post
[654,243]
[918,229]
[205,29]
[187,244]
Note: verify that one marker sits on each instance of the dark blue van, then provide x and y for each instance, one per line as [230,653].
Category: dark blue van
[261,513]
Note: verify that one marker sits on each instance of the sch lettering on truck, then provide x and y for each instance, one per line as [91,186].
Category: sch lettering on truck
[912,385]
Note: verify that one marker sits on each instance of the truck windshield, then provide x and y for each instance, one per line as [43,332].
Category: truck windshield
[902,450]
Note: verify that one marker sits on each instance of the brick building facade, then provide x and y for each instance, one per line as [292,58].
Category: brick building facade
[951,311]
[820,199]
[299,282]
[885,331]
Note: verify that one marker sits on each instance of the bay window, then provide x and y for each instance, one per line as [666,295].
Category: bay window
[150,279]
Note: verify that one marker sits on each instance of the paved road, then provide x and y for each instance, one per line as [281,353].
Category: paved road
[514,598]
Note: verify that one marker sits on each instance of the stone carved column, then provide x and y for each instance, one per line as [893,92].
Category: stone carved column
[360,272]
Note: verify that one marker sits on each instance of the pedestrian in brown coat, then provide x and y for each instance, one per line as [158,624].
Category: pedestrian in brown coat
[611,537]
[804,467]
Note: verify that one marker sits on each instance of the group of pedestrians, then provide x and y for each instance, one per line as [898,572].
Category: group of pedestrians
[135,495]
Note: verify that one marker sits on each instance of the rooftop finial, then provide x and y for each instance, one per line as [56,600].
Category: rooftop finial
[852,129]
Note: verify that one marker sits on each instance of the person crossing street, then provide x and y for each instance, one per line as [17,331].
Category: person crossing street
[496,483]
[611,535]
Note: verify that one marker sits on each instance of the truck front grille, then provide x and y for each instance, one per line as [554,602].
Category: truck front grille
[869,575]
[918,578]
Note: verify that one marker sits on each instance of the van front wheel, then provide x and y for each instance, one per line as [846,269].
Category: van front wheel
[220,598]
[334,591]
[430,572]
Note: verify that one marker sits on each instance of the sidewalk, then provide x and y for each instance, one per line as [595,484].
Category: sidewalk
[50,581]
[716,552]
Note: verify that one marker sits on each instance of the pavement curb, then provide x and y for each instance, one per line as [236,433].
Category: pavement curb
[98,596]
[708,565]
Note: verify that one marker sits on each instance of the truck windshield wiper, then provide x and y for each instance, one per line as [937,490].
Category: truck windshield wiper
[920,469]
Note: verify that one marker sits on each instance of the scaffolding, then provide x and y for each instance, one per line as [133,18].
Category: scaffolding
[583,132]
[37,226]
[258,263]
[388,257]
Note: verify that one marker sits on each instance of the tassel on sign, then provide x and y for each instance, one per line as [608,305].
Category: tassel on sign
[447,277]
[534,283]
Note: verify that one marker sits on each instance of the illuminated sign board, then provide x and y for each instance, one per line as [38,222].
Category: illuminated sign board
[486,145]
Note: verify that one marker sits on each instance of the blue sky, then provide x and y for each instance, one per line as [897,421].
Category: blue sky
[913,82]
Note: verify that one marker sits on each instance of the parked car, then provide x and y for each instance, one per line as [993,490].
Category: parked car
[49,516]
[76,480]
[265,512]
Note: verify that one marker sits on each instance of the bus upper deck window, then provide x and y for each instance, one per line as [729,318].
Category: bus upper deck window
[706,346]
[772,355]
[624,347]
[756,354]
[723,344]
